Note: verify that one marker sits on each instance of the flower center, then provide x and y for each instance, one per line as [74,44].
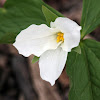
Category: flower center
[60,37]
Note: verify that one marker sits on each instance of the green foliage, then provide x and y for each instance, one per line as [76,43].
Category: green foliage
[35,59]
[49,15]
[84,69]
[90,16]
[77,49]
[18,15]
[53,10]
[84,72]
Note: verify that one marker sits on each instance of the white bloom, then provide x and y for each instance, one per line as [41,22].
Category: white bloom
[50,44]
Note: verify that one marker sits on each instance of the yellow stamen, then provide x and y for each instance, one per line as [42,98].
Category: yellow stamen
[60,37]
[58,34]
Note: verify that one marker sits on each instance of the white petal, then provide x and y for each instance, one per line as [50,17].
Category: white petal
[71,32]
[51,64]
[36,46]
[36,39]
[35,31]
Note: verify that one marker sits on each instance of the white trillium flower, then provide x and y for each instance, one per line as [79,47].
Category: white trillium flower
[51,44]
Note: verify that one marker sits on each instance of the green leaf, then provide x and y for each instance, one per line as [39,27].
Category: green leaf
[84,72]
[50,16]
[18,15]
[77,49]
[53,10]
[90,16]
[35,59]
